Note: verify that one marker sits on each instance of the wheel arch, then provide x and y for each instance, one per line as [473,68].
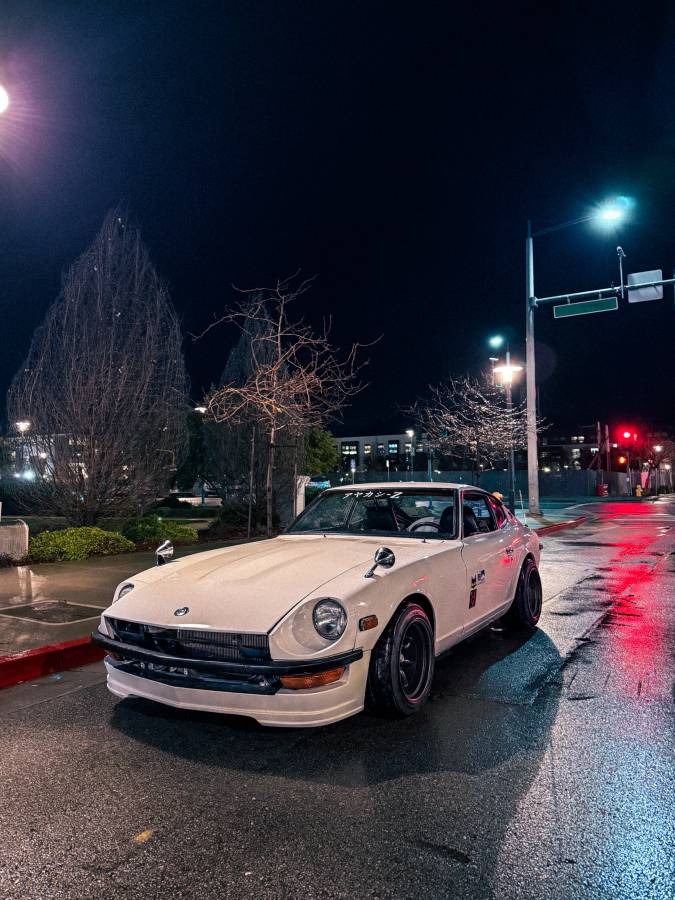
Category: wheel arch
[421,600]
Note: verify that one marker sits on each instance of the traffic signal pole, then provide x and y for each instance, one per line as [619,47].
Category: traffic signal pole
[530,380]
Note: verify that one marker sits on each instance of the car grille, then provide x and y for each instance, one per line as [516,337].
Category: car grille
[190,643]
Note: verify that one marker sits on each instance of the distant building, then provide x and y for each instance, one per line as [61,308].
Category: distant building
[375,450]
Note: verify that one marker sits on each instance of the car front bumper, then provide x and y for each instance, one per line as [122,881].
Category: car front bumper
[240,689]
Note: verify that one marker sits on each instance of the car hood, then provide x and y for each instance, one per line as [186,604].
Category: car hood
[247,588]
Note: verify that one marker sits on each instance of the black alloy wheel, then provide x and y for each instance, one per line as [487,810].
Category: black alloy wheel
[526,607]
[402,663]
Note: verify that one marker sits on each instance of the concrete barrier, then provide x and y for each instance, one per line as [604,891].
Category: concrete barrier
[13,539]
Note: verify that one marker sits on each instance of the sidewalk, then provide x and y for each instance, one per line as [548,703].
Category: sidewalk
[553,513]
[51,603]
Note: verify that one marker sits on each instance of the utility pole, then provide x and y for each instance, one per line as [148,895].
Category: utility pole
[509,407]
[530,378]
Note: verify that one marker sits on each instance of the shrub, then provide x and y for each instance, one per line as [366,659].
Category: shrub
[172,502]
[193,512]
[76,543]
[151,529]
[232,520]
[6,561]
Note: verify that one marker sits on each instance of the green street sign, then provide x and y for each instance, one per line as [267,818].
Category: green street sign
[606,304]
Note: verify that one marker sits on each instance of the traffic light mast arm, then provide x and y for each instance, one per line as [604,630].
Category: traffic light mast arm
[600,292]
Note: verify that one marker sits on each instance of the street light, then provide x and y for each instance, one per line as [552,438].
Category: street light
[23,426]
[411,435]
[4,99]
[608,214]
[507,372]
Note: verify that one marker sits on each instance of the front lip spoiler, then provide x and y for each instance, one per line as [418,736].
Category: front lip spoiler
[224,667]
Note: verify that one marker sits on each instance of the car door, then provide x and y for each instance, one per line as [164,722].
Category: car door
[514,544]
[485,552]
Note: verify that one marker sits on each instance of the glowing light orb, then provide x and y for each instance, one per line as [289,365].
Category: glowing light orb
[4,99]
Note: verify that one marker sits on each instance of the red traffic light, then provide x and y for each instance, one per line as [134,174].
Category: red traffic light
[627,433]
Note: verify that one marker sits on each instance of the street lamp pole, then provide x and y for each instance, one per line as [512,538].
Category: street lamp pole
[512,461]
[530,381]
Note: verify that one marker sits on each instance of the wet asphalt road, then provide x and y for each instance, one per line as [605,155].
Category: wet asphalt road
[542,767]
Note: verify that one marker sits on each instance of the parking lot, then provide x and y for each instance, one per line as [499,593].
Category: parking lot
[542,767]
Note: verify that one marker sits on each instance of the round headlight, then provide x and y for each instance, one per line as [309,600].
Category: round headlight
[330,619]
[123,590]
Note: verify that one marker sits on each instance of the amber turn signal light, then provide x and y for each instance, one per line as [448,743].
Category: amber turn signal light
[367,623]
[301,682]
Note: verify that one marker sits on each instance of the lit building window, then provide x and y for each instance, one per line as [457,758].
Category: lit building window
[350,448]
[367,449]
[380,449]
[408,448]
[393,448]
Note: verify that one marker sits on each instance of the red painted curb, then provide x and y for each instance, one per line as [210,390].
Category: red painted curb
[41,661]
[559,526]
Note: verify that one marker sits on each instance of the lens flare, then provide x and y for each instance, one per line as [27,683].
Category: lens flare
[4,99]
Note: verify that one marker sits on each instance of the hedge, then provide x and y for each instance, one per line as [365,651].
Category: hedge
[150,529]
[194,512]
[76,543]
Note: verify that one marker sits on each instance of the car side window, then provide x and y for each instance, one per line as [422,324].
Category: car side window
[499,512]
[477,516]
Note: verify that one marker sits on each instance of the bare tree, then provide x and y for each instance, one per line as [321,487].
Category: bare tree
[297,379]
[103,389]
[467,417]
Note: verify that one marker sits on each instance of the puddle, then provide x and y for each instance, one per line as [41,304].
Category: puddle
[52,612]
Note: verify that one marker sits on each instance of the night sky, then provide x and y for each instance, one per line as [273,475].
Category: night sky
[395,150]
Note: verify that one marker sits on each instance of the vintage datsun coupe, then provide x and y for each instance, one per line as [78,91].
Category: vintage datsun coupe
[309,627]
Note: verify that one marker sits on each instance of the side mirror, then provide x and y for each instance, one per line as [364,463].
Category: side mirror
[383,557]
[164,553]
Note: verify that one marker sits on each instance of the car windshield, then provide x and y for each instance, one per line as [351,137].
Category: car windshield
[410,513]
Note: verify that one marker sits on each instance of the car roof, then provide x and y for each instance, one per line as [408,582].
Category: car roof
[408,485]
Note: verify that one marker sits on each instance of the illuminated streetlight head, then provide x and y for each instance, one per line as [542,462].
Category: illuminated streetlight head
[4,99]
[410,432]
[23,426]
[496,341]
[658,448]
[612,212]
[507,372]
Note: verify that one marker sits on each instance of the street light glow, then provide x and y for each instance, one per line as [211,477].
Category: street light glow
[496,341]
[507,372]
[4,99]
[23,426]
[613,211]
[658,448]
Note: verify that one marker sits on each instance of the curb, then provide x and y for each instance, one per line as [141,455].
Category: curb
[40,661]
[559,526]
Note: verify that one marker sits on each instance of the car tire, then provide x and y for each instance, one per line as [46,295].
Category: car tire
[402,664]
[526,607]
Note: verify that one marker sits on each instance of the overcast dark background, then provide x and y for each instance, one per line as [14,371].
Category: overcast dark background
[396,150]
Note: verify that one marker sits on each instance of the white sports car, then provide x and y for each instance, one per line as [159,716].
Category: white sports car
[309,627]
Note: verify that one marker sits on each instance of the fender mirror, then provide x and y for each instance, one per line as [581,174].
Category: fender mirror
[383,557]
[164,553]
